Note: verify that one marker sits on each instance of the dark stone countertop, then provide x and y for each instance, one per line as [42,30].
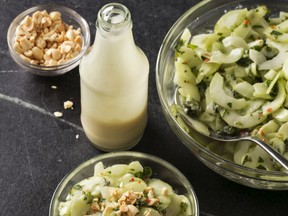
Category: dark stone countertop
[37,149]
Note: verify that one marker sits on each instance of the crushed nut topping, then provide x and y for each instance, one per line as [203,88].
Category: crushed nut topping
[68,105]
[58,114]
[45,39]
[101,194]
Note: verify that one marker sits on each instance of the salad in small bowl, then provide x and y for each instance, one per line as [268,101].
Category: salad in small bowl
[124,183]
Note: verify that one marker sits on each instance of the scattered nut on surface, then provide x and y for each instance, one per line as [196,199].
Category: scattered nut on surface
[45,39]
[58,114]
[68,105]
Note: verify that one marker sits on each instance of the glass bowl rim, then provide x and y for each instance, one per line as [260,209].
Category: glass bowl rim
[62,184]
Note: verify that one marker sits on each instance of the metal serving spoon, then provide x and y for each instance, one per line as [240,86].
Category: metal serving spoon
[266,147]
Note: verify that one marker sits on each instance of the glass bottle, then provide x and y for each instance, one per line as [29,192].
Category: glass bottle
[114,83]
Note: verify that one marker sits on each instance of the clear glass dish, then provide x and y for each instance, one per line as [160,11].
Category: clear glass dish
[161,170]
[70,17]
[199,19]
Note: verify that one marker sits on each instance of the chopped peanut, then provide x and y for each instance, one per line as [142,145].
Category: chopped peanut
[68,104]
[132,210]
[58,114]
[45,39]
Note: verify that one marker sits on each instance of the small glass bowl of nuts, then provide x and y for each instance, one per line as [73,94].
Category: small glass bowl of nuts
[48,40]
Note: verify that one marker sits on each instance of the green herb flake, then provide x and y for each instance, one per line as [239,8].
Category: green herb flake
[183,207]
[77,187]
[261,167]
[229,104]
[244,62]
[220,39]
[238,123]
[268,82]
[247,159]
[179,44]
[257,26]
[88,198]
[268,49]
[228,130]
[146,174]
[191,46]
[258,48]
[260,160]
[276,33]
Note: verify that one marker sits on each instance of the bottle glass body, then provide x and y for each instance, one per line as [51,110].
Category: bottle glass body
[114,83]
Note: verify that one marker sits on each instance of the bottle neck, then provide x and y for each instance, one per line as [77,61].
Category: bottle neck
[113,20]
[114,29]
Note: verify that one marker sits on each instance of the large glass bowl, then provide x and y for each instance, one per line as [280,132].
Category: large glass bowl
[199,19]
[161,170]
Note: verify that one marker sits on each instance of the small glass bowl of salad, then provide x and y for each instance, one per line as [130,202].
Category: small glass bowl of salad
[244,43]
[124,183]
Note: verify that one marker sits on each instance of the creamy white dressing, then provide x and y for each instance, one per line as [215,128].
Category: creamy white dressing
[114,89]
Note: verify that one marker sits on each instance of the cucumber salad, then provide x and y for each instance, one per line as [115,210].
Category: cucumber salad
[123,189]
[234,79]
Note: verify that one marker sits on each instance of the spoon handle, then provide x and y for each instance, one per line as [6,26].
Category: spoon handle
[272,152]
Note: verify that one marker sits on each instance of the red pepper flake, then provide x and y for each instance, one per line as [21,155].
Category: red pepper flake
[147,200]
[246,22]
[206,60]
[132,180]
[262,133]
[139,181]
[269,110]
